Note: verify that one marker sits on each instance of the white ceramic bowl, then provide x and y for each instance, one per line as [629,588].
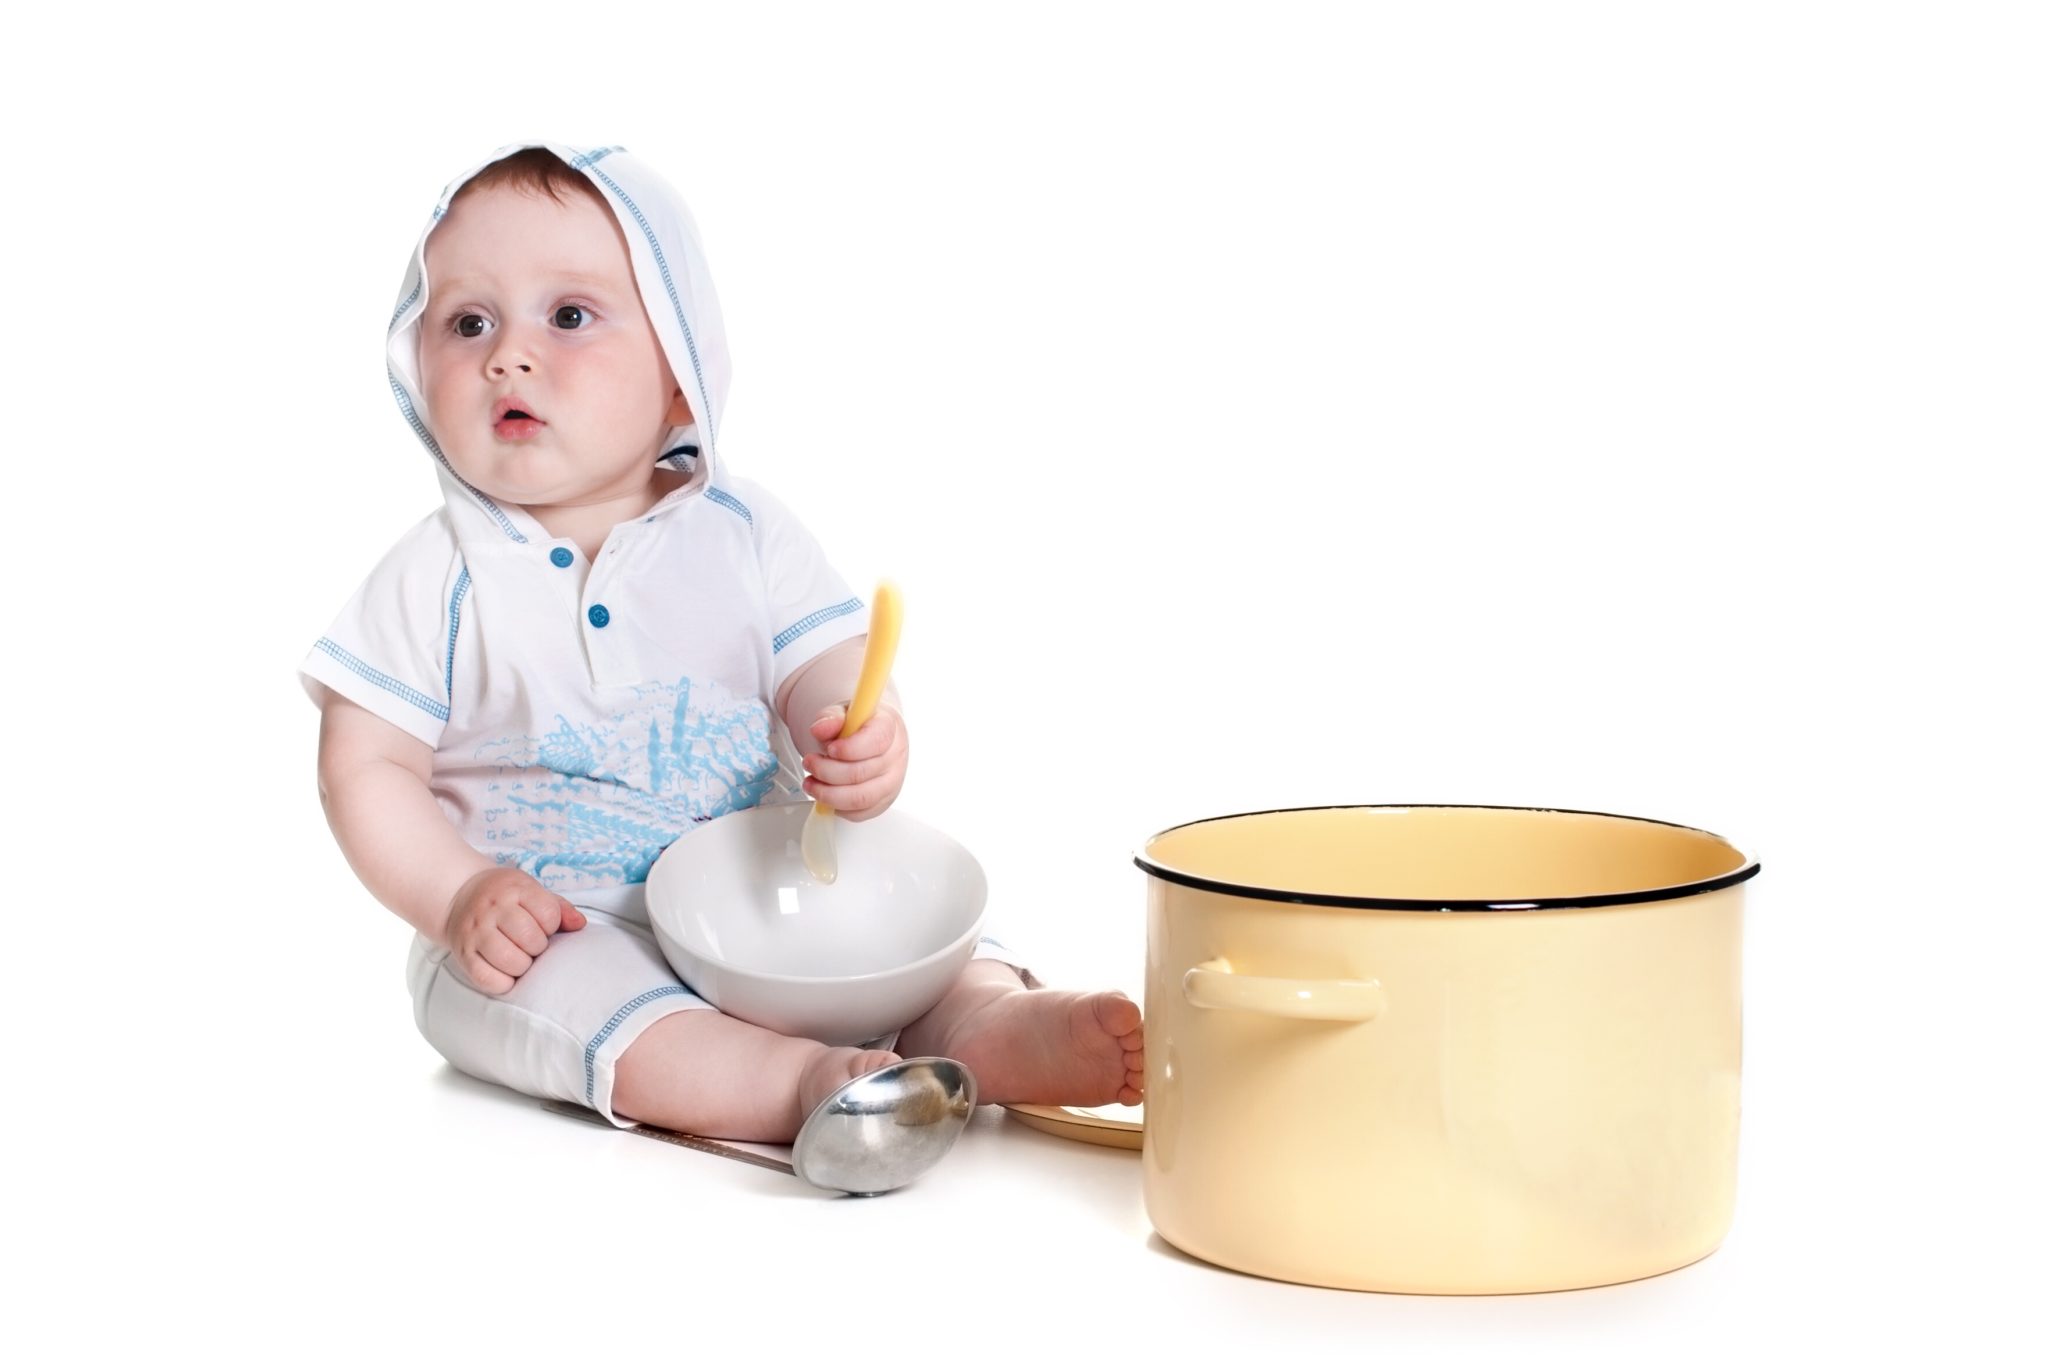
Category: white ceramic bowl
[747,927]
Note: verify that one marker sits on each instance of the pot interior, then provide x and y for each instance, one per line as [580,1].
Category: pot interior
[1438,853]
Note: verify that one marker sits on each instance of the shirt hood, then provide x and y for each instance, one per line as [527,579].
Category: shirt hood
[675,288]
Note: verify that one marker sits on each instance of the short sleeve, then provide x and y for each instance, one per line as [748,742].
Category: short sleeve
[810,606]
[391,649]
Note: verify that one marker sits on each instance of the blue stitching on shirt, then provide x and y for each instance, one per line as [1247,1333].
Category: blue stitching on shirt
[388,683]
[591,158]
[689,338]
[420,429]
[611,1027]
[454,624]
[814,620]
[727,500]
[410,299]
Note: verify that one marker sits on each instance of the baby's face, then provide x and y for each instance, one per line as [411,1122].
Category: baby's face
[532,305]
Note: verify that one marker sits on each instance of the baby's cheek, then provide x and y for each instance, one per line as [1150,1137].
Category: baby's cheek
[432,402]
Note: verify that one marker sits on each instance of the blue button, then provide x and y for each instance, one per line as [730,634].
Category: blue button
[599,617]
[562,558]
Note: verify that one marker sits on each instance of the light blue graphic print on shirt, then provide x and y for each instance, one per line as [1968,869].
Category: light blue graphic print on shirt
[594,805]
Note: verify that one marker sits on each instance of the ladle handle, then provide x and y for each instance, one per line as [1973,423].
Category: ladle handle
[1214,986]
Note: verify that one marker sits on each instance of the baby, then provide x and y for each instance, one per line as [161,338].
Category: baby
[602,640]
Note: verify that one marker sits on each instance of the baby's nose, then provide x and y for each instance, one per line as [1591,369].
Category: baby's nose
[509,353]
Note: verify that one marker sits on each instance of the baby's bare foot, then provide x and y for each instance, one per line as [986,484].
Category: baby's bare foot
[834,1067]
[1053,1047]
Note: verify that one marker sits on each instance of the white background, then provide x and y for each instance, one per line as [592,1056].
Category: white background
[1630,408]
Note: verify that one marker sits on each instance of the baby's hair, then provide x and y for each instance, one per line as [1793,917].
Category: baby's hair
[535,171]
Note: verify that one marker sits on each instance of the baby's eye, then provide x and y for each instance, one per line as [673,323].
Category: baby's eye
[571,316]
[469,325]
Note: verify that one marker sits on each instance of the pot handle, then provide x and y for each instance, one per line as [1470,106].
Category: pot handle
[1214,986]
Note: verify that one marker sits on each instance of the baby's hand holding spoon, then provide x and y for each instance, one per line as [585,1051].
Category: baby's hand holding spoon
[885,625]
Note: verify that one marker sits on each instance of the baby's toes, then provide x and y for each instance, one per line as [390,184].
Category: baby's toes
[1119,1016]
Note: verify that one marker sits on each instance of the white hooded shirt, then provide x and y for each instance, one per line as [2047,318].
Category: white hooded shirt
[585,715]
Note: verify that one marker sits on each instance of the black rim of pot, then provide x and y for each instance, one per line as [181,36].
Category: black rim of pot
[1267,893]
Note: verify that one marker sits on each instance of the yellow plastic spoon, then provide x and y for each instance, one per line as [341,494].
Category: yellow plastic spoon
[885,625]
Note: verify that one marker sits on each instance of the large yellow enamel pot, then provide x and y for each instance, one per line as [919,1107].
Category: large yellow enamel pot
[1442,1049]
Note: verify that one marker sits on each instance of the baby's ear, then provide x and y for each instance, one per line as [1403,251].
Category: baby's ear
[679,411]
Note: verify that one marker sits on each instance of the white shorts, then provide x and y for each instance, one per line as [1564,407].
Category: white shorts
[561,1029]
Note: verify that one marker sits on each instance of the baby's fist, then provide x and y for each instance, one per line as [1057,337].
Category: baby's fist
[499,922]
[858,776]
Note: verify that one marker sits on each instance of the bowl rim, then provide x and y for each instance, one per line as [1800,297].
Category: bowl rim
[973,930]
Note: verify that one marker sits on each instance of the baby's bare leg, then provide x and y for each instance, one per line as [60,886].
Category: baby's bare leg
[1034,1047]
[710,1074]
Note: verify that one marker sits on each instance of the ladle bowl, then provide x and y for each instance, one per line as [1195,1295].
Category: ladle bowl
[881,1131]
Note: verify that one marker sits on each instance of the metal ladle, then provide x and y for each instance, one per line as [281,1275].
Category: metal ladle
[881,1131]
[874,1134]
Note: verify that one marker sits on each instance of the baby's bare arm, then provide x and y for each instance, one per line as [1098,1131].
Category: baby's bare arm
[824,682]
[373,784]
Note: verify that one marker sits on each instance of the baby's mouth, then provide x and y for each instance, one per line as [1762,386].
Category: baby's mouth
[516,423]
